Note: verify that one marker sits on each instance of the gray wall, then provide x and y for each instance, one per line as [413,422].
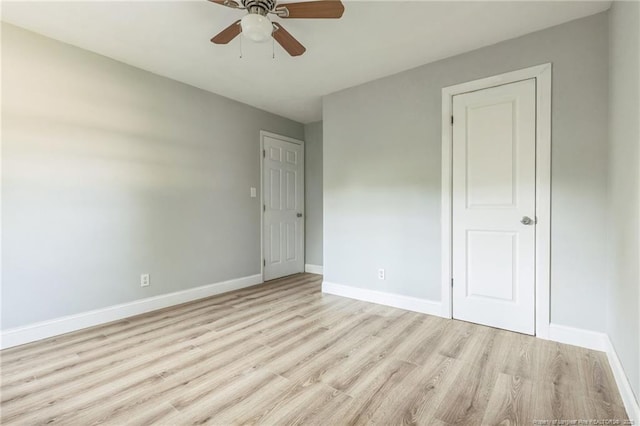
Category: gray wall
[624,186]
[313,192]
[109,172]
[382,170]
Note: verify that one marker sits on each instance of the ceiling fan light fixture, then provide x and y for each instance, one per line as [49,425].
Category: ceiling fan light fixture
[256,27]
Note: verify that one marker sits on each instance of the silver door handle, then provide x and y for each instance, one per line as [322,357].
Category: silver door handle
[299,214]
[526,220]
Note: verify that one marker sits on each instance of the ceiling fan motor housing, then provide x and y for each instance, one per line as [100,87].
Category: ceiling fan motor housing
[261,7]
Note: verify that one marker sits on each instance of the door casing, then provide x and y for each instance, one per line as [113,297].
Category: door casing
[542,76]
[264,133]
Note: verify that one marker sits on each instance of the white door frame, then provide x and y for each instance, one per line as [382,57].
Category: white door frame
[264,133]
[542,75]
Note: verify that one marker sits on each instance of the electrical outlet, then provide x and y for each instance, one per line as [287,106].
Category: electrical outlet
[145,280]
[381,274]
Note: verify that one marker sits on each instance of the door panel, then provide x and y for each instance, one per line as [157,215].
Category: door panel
[493,189]
[274,251]
[283,193]
[484,280]
[490,150]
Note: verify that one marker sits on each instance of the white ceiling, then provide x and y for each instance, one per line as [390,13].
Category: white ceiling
[372,40]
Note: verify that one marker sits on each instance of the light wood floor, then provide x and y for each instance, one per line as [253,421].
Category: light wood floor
[284,353]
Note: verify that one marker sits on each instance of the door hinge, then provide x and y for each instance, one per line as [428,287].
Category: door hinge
[264,262]
[451,282]
[264,207]
[452,119]
[264,153]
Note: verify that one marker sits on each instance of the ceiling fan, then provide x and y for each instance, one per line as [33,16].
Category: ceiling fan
[257,26]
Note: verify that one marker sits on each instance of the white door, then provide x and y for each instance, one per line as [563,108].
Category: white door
[493,234]
[283,195]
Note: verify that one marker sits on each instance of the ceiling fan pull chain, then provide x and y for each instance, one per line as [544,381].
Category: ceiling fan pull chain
[240,47]
[273,48]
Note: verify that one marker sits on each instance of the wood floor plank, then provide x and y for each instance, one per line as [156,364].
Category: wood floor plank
[373,394]
[301,404]
[354,328]
[284,353]
[522,358]
[511,402]
[120,358]
[182,388]
[457,337]
[597,378]
[557,389]
[69,394]
[103,354]
[423,343]
[421,392]
[202,405]
[469,396]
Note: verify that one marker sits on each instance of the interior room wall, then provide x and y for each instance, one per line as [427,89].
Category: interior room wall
[382,174]
[313,193]
[623,322]
[109,172]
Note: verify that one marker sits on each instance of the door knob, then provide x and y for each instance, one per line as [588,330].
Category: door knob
[299,214]
[526,220]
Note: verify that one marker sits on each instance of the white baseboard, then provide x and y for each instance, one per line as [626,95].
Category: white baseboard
[600,342]
[313,269]
[42,330]
[631,404]
[578,337]
[382,298]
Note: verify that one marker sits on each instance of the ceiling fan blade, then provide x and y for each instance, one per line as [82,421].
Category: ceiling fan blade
[311,9]
[228,34]
[229,3]
[287,41]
